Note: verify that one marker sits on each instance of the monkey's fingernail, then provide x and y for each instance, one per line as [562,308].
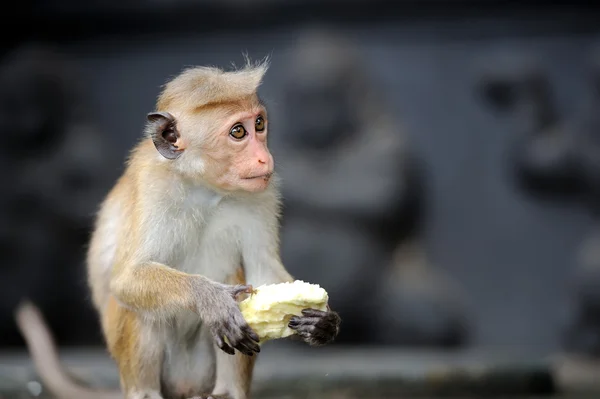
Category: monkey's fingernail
[227,349]
[313,313]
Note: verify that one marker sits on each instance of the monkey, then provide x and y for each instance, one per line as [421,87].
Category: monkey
[189,228]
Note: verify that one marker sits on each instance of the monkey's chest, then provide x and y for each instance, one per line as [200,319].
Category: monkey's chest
[211,249]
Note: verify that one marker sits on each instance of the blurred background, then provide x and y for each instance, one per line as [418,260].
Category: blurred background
[440,159]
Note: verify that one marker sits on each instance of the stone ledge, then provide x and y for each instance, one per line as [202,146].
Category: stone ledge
[285,371]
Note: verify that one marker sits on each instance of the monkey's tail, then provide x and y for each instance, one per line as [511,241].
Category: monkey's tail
[44,353]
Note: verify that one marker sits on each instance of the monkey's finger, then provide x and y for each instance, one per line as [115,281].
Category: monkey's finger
[314,313]
[252,345]
[250,333]
[308,328]
[224,347]
[247,346]
[227,349]
[293,324]
[304,321]
[242,348]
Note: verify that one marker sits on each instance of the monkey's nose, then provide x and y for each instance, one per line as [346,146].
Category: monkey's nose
[261,161]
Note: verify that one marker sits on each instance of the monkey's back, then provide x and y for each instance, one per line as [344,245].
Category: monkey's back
[112,222]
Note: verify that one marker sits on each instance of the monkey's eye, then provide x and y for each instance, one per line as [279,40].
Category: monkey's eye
[259,125]
[238,132]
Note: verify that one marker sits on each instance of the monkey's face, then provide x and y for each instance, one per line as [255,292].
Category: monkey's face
[227,148]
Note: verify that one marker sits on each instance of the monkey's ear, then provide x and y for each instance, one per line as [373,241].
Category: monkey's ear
[162,129]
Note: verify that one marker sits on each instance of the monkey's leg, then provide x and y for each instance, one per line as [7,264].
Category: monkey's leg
[233,372]
[189,361]
[234,375]
[137,349]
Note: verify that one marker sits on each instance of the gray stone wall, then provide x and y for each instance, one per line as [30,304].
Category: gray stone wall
[453,252]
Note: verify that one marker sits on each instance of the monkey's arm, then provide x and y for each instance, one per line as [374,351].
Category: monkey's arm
[158,291]
[263,266]
[260,246]
[155,288]
[365,178]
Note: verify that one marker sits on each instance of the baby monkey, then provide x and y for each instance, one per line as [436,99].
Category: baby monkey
[191,224]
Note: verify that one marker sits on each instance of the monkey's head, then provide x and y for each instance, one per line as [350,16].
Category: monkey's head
[211,127]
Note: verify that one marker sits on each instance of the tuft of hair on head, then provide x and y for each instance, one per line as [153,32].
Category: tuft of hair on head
[198,87]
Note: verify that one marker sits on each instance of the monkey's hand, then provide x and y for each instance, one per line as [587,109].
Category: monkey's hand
[315,327]
[227,325]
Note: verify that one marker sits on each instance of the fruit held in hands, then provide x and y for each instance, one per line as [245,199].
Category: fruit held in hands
[270,308]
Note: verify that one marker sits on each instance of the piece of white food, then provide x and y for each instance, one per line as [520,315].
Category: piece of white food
[269,309]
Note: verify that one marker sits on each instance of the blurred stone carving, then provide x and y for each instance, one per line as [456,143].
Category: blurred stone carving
[418,304]
[543,154]
[351,184]
[588,142]
[60,168]
[582,331]
[557,159]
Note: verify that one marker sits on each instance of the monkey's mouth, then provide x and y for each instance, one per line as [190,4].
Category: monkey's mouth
[265,176]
